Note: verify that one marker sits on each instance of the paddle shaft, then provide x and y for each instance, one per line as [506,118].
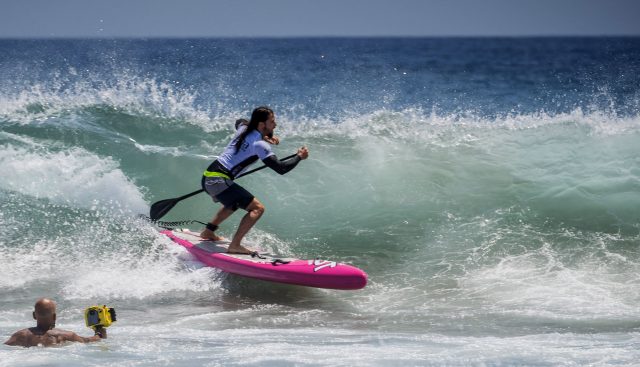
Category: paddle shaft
[162,207]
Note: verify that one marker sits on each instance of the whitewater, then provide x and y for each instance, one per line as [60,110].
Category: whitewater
[490,188]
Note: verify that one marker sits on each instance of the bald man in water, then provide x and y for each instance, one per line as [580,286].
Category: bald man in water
[45,334]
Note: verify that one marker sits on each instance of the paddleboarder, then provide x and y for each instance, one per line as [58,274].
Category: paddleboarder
[247,146]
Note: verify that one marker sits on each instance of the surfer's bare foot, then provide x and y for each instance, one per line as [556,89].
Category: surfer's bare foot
[239,249]
[209,235]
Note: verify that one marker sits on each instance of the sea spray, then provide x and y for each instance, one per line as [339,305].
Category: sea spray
[489,187]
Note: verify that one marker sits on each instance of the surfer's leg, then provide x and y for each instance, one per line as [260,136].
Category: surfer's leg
[255,209]
[220,216]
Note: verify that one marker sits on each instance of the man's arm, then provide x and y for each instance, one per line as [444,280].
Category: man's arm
[273,140]
[279,166]
[285,166]
[101,333]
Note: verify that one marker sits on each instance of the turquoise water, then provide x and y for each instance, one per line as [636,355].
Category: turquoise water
[489,187]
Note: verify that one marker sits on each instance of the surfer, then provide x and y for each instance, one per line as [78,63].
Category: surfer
[45,333]
[247,146]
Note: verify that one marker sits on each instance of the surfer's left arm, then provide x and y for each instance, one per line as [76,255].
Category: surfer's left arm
[271,139]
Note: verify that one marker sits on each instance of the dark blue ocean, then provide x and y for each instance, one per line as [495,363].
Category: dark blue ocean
[490,187]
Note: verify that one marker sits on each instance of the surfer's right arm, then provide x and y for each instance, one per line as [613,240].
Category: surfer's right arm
[283,167]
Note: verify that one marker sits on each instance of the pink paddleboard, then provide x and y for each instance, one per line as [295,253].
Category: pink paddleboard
[310,273]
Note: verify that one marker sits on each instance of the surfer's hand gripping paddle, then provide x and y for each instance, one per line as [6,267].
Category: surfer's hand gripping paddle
[162,207]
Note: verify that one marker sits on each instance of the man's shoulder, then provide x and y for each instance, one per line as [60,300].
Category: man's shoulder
[259,143]
[254,135]
[33,331]
[262,149]
[23,332]
[19,337]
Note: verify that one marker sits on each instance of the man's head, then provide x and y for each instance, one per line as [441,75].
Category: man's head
[260,114]
[45,313]
[264,120]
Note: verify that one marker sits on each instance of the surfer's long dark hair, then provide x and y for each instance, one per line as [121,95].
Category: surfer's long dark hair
[260,114]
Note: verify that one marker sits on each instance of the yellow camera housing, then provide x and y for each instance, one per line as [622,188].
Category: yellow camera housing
[95,316]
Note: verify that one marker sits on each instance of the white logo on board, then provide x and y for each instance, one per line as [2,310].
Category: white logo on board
[321,264]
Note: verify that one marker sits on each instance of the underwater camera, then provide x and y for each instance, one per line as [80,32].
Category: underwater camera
[96,316]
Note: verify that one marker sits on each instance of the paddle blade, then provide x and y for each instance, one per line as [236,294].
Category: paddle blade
[162,207]
[159,209]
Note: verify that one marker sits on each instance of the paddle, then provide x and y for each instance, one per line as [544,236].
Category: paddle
[162,207]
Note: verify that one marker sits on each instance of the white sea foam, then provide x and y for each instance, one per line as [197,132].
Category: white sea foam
[447,129]
[170,151]
[96,262]
[155,149]
[18,263]
[318,346]
[538,284]
[159,270]
[75,177]
[146,97]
